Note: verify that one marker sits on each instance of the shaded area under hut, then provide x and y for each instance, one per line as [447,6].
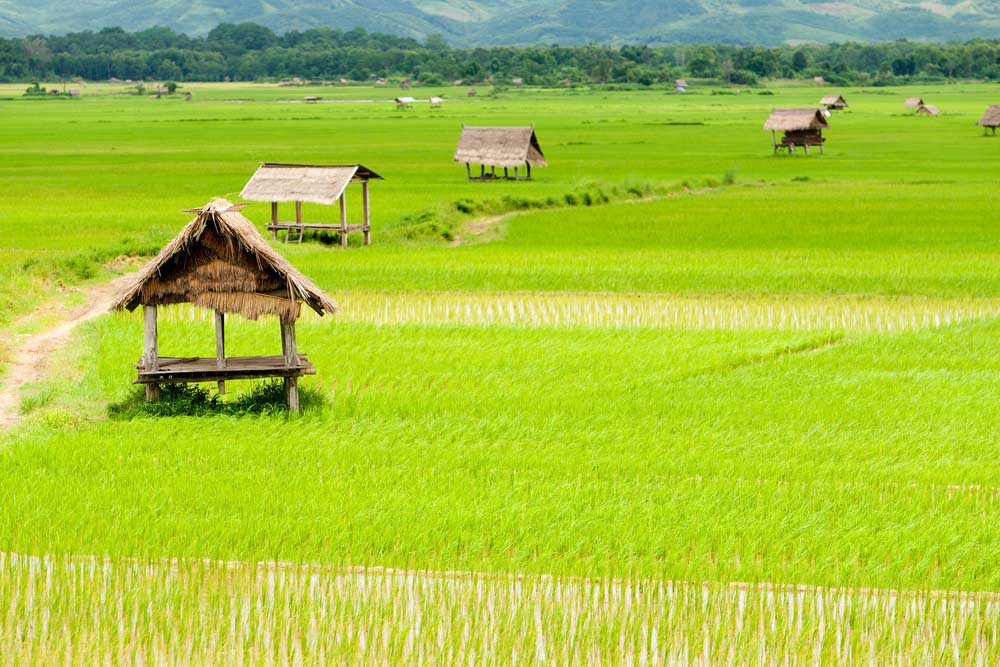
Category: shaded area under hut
[990,119]
[495,148]
[801,127]
[220,261]
[316,184]
[833,102]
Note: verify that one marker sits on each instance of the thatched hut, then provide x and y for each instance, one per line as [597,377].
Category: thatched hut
[220,261]
[504,147]
[801,127]
[927,110]
[913,103]
[990,119]
[405,102]
[681,86]
[833,102]
[436,102]
[326,185]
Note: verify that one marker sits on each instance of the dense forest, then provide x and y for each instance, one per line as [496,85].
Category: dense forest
[250,52]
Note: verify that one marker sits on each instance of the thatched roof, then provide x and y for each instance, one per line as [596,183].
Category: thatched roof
[991,117]
[500,147]
[831,100]
[220,261]
[912,102]
[789,120]
[681,83]
[405,100]
[928,110]
[307,183]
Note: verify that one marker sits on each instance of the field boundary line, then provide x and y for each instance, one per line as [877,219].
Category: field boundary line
[622,583]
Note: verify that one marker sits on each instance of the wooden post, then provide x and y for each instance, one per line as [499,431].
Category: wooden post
[482,171]
[515,173]
[150,350]
[274,220]
[291,360]
[298,221]
[220,346]
[774,142]
[528,165]
[292,394]
[343,218]
[288,344]
[366,196]
[506,176]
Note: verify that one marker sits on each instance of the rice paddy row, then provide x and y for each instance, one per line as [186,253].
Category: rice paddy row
[97,610]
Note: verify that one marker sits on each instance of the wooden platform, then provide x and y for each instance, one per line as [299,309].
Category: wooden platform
[202,369]
[300,228]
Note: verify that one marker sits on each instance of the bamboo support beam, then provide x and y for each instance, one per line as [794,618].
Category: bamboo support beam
[343,219]
[291,360]
[150,350]
[366,196]
[220,347]
[274,219]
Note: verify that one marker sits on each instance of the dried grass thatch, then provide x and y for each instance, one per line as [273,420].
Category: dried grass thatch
[221,262]
[834,101]
[500,147]
[913,102]
[790,120]
[928,110]
[991,117]
[316,184]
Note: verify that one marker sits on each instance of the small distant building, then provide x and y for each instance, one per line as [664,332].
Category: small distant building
[567,83]
[681,86]
[74,92]
[833,102]
[913,103]
[436,102]
[928,110]
[471,92]
[162,90]
[517,82]
[801,127]
[405,102]
[990,119]
[380,82]
[499,147]
[405,84]
[458,82]
[220,262]
[325,185]
[312,99]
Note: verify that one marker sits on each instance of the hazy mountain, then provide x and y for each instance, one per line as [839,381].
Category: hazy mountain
[488,22]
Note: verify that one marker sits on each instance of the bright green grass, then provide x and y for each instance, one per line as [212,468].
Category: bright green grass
[790,378]
[801,457]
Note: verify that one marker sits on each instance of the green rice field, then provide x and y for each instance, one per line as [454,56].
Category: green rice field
[678,401]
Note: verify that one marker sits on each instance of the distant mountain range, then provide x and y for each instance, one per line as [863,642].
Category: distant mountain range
[492,22]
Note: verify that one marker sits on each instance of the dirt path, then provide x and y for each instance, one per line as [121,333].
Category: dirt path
[30,359]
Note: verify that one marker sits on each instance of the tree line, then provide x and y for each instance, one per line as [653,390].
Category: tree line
[251,52]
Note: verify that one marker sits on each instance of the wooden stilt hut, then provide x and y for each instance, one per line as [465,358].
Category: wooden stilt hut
[326,185]
[990,119]
[801,127]
[833,102]
[507,148]
[220,261]
[927,110]
[913,102]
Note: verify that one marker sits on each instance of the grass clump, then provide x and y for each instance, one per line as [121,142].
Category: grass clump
[185,400]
